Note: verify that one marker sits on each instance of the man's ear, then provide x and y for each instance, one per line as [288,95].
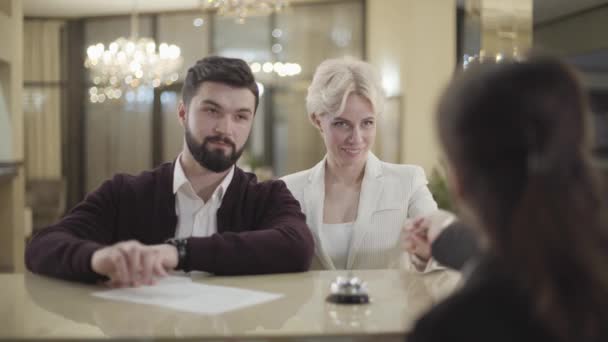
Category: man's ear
[181,113]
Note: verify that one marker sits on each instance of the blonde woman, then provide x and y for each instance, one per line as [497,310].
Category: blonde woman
[354,203]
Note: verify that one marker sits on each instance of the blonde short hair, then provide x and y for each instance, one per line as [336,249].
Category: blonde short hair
[336,79]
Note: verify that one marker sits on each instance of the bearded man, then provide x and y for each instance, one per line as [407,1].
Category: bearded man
[200,212]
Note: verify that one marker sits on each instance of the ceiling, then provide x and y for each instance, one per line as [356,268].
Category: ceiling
[90,8]
[544,10]
[87,8]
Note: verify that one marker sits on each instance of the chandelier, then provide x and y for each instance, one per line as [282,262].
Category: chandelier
[240,9]
[127,64]
[281,69]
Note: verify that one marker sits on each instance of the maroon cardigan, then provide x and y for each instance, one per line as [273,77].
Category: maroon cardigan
[261,228]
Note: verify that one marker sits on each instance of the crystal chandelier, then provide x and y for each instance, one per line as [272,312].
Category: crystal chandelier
[127,64]
[281,69]
[240,9]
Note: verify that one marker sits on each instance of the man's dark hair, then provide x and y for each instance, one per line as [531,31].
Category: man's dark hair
[231,71]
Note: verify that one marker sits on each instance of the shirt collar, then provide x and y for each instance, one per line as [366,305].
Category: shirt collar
[180,180]
[179,177]
[221,189]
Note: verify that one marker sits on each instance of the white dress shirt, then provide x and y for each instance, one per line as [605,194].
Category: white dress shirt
[195,217]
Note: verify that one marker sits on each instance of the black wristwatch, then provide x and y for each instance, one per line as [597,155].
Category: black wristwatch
[182,253]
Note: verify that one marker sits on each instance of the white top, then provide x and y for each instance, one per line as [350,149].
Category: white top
[390,194]
[336,238]
[195,217]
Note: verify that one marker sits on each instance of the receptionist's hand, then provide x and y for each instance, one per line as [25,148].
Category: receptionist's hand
[131,263]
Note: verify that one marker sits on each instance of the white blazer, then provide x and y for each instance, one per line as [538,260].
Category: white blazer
[390,194]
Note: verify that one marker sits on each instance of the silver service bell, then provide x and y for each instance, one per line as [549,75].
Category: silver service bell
[348,290]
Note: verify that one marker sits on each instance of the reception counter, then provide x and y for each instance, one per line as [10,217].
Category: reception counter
[34,307]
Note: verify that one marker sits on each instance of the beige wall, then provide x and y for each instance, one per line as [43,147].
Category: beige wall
[413,43]
[42,116]
[12,191]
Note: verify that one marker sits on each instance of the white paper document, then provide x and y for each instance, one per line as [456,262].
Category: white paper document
[180,293]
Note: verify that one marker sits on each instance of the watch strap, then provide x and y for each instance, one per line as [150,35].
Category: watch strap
[182,253]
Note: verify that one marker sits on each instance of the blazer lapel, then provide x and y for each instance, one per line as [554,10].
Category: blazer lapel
[314,197]
[369,199]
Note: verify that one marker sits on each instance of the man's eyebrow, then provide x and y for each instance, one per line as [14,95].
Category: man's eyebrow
[244,109]
[211,102]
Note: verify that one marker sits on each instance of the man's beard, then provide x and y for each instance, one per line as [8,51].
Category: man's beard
[212,159]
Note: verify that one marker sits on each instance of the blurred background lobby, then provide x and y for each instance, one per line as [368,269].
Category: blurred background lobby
[77,104]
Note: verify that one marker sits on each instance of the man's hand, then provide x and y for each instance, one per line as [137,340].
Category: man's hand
[131,263]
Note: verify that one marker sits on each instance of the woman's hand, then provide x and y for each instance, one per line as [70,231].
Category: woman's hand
[418,235]
[415,240]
